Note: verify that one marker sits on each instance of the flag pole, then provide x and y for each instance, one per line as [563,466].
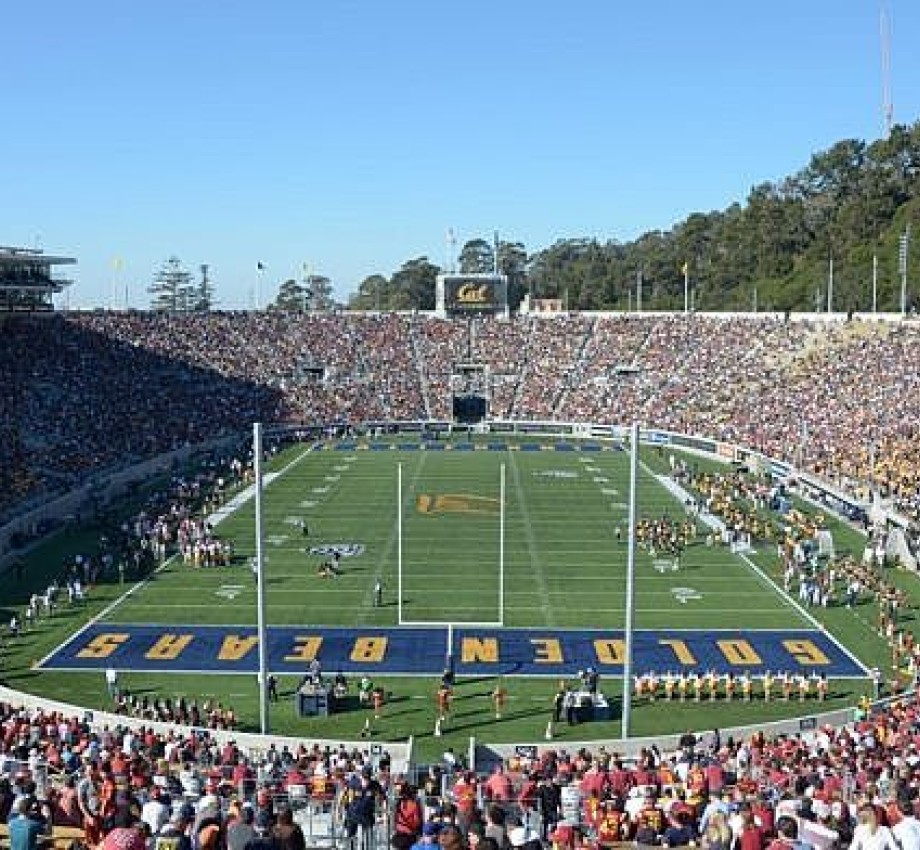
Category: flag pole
[630,583]
[686,287]
[260,580]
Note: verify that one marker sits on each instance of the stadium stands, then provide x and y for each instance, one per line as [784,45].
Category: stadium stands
[86,392]
[99,779]
[99,389]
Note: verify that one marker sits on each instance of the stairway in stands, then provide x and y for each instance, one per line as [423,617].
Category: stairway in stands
[576,374]
[419,358]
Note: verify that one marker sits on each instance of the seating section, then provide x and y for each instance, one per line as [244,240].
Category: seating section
[96,390]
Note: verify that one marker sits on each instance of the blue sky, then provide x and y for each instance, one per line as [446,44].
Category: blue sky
[351,135]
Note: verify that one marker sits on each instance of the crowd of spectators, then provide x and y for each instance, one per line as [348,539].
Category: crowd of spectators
[143,786]
[100,389]
[828,787]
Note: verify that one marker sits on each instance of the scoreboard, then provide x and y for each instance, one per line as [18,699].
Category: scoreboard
[465,294]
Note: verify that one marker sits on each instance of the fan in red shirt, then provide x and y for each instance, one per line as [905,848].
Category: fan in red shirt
[498,786]
[752,836]
[613,825]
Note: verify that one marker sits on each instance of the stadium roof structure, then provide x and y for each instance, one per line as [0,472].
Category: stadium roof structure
[27,282]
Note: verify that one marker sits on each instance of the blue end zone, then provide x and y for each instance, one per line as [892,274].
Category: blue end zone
[477,651]
[465,445]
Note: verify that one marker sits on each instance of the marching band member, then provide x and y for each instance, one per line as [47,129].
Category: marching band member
[804,687]
[786,686]
[669,683]
[697,686]
[822,687]
[747,688]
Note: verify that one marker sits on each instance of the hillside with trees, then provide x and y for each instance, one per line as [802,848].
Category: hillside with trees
[851,203]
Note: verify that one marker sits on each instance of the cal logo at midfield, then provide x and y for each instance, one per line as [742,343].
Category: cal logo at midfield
[456,503]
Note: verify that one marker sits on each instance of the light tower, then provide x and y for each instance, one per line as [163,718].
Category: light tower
[885,32]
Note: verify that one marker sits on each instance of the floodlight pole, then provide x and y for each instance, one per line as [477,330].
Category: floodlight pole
[260,580]
[875,283]
[630,582]
[399,544]
[501,545]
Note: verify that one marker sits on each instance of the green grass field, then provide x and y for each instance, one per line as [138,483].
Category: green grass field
[564,568]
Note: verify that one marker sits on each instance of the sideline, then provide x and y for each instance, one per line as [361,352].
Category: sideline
[218,516]
[709,520]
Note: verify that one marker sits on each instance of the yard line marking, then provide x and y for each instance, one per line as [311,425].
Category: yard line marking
[728,630]
[435,607]
[532,549]
[367,603]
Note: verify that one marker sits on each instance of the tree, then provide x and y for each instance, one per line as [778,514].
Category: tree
[204,296]
[319,292]
[172,288]
[292,297]
[512,262]
[373,294]
[414,285]
[477,257]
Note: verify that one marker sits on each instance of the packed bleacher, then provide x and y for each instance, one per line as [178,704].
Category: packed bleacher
[87,392]
[128,785]
[99,389]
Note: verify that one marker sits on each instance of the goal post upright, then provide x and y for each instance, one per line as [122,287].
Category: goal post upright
[501,545]
[399,544]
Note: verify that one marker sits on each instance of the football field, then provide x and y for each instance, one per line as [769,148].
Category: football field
[532,584]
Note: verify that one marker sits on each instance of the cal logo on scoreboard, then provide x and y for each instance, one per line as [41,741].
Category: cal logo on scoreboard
[479,293]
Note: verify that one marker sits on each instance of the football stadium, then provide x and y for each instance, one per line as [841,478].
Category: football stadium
[334,518]
[445,569]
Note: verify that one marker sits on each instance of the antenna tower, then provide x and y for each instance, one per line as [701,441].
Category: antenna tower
[885,31]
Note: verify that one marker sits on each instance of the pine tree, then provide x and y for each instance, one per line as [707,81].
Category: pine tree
[172,288]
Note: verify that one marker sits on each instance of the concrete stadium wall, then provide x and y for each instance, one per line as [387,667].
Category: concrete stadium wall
[101,489]
[806,726]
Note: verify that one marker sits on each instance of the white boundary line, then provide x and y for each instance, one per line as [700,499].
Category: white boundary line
[674,488]
[542,630]
[241,498]
[803,612]
[615,672]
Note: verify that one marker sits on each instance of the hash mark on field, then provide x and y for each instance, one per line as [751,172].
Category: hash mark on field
[333,477]
[532,550]
[600,479]
[610,491]
[340,467]
[320,489]
[308,503]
